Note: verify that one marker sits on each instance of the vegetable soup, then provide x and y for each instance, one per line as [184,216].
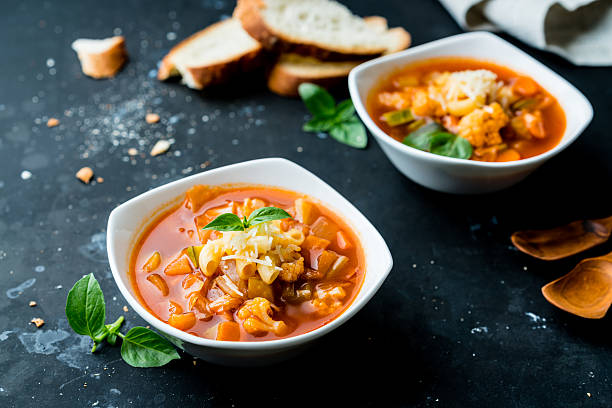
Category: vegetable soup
[247,264]
[468,109]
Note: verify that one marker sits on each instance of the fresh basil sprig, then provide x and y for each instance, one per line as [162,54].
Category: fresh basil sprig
[435,139]
[231,222]
[339,120]
[86,312]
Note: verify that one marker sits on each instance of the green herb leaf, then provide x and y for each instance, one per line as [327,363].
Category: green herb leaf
[319,124]
[144,348]
[85,308]
[266,214]
[350,133]
[226,222]
[318,101]
[345,110]
[447,144]
[421,138]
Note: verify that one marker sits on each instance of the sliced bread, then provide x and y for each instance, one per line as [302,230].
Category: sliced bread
[291,70]
[101,58]
[323,29]
[211,55]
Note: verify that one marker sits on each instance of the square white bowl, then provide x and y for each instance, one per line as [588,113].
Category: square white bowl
[127,221]
[452,175]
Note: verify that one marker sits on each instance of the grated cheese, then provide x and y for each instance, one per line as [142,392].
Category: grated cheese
[473,84]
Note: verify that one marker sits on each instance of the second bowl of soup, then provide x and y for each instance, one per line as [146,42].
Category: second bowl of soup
[467,114]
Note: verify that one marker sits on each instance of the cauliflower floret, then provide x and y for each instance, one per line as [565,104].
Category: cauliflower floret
[481,126]
[395,100]
[292,270]
[424,103]
[328,298]
[256,316]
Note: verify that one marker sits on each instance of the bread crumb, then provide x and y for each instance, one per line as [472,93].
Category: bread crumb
[152,118]
[100,180]
[37,321]
[32,303]
[125,309]
[52,122]
[132,151]
[101,58]
[160,147]
[85,174]
[194,362]
[589,394]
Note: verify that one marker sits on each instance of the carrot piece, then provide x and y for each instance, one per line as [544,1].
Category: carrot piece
[197,196]
[324,228]
[508,155]
[312,242]
[343,240]
[305,211]
[159,283]
[180,266]
[525,86]
[325,261]
[228,331]
[183,321]
[175,308]
[152,263]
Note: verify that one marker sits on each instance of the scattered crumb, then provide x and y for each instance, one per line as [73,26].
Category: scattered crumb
[85,174]
[205,164]
[125,309]
[194,363]
[52,122]
[160,147]
[25,175]
[300,149]
[132,151]
[100,180]
[152,118]
[588,393]
[37,321]
[32,303]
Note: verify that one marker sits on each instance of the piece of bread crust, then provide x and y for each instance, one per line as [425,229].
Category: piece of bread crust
[291,70]
[249,12]
[101,58]
[218,69]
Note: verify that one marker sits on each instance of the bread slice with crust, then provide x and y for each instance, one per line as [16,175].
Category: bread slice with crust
[291,70]
[212,55]
[101,58]
[322,29]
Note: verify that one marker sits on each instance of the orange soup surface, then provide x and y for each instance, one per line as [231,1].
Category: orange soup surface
[503,115]
[277,279]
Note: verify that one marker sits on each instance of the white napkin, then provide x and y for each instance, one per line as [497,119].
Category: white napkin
[579,30]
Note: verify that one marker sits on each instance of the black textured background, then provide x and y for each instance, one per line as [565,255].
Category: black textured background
[420,342]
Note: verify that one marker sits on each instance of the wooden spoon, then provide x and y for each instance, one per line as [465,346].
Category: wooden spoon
[560,242]
[586,291]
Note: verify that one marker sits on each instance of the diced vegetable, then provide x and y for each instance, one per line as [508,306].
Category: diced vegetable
[325,261]
[398,117]
[258,288]
[190,252]
[527,103]
[152,263]
[174,308]
[324,228]
[415,125]
[180,266]
[228,331]
[525,86]
[183,321]
[508,155]
[193,282]
[197,301]
[305,211]
[338,267]
[159,283]
[227,286]
[197,196]
[225,303]
[314,242]
[343,240]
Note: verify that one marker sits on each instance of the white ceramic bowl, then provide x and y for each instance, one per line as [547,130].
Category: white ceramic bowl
[466,176]
[128,220]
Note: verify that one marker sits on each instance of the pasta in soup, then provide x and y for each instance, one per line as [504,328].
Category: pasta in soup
[247,264]
[468,109]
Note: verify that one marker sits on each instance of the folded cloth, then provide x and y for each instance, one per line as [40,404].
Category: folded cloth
[579,30]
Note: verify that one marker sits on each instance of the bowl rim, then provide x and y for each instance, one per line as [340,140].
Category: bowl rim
[383,137]
[360,300]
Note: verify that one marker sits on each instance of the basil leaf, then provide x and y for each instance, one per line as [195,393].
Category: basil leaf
[266,214]
[225,222]
[345,110]
[144,348]
[85,308]
[351,133]
[319,124]
[421,138]
[318,101]
[447,144]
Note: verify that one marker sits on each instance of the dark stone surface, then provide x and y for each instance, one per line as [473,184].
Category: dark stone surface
[420,342]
